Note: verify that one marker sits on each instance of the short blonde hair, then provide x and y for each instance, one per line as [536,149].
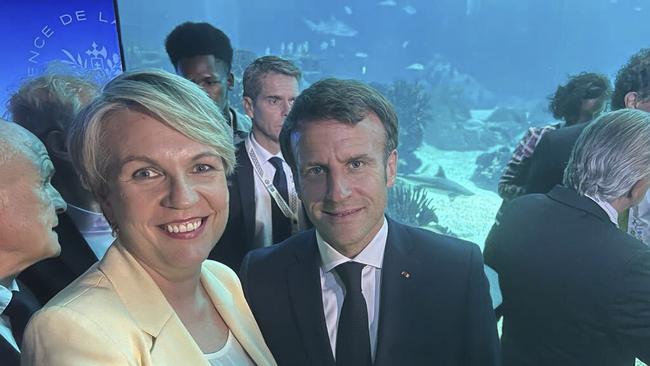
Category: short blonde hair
[174,101]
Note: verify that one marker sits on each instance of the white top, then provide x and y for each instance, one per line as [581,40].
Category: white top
[232,354]
[93,227]
[334,289]
[608,208]
[5,324]
[263,236]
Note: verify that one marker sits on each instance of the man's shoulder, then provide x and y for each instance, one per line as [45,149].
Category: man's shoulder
[430,244]
[294,245]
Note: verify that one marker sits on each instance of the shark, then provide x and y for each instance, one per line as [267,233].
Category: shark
[439,183]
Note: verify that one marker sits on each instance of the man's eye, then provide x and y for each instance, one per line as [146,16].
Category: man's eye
[356,164]
[202,168]
[274,101]
[143,174]
[315,170]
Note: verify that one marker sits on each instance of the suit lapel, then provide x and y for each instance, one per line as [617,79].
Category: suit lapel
[246,187]
[243,327]
[8,354]
[398,285]
[307,302]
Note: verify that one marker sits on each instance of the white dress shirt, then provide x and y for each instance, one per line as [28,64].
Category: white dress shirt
[334,290]
[639,220]
[5,324]
[263,236]
[232,354]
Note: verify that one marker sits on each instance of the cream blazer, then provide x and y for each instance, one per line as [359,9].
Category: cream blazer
[115,314]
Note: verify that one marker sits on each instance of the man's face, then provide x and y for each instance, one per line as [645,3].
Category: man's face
[344,179]
[28,209]
[271,106]
[210,74]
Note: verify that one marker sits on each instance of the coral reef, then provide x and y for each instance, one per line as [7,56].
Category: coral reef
[489,167]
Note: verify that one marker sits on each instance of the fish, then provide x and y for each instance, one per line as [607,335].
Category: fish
[638,8]
[324,45]
[267,51]
[415,66]
[363,70]
[387,3]
[405,44]
[332,26]
[333,42]
[438,183]
[348,10]
[361,54]
[409,9]
[472,7]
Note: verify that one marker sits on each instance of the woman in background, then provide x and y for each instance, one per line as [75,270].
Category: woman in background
[155,151]
[581,100]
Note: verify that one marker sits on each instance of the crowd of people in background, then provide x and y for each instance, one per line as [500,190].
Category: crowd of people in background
[148,222]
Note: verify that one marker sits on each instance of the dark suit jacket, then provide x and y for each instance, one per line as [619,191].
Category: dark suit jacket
[238,237]
[8,355]
[46,278]
[576,289]
[551,157]
[440,315]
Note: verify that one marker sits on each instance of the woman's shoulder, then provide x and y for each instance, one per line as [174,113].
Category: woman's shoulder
[221,271]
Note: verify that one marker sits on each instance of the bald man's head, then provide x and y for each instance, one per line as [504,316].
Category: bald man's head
[28,202]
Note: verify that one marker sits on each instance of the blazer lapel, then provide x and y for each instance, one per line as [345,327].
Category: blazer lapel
[8,354]
[397,287]
[240,321]
[171,342]
[307,305]
[246,185]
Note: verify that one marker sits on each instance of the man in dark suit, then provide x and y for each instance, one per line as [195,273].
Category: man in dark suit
[576,289]
[551,157]
[46,106]
[28,213]
[360,288]
[264,206]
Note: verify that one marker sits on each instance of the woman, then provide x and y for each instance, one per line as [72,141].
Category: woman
[581,100]
[155,151]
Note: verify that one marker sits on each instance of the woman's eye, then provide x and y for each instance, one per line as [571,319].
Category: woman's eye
[202,168]
[142,174]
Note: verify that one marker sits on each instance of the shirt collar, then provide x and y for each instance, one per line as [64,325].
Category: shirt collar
[88,221]
[371,255]
[607,207]
[261,152]
[5,295]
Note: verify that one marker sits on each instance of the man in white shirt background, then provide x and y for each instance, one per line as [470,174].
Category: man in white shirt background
[264,205]
[46,106]
[28,214]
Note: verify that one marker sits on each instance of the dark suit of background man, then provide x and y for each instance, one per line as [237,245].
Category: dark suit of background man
[362,289]
[256,220]
[46,106]
[203,54]
[28,212]
[576,289]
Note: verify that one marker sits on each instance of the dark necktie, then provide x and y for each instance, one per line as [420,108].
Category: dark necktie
[353,336]
[281,223]
[20,309]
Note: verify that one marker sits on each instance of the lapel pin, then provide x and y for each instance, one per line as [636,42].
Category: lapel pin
[406,275]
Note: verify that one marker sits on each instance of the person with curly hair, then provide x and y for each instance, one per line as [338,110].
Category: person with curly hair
[203,54]
[580,100]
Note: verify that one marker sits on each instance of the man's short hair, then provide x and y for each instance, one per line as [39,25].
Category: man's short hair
[50,102]
[633,77]
[198,39]
[346,101]
[566,102]
[262,66]
[611,155]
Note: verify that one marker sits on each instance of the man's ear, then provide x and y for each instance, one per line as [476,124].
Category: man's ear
[391,168]
[248,107]
[231,81]
[631,99]
[55,145]
[639,190]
